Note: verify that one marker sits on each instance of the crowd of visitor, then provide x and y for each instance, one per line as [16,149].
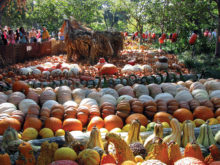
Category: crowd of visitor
[21,36]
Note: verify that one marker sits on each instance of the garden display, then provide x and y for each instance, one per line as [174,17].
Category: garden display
[142,107]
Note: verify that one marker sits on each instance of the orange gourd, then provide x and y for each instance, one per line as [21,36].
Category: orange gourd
[107,158]
[72,125]
[95,121]
[5,159]
[113,121]
[162,117]
[193,150]
[33,122]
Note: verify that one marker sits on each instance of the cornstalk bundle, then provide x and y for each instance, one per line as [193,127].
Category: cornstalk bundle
[83,43]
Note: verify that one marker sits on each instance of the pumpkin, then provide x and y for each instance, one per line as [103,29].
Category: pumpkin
[46,133]
[64,162]
[193,150]
[108,69]
[5,159]
[107,109]
[25,104]
[64,94]
[34,96]
[57,111]
[172,106]
[26,155]
[189,161]
[95,121]
[47,95]
[7,108]
[164,96]
[128,162]
[200,95]
[89,157]
[53,123]
[29,134]
[60,132]
[203,112]
[217,112]
[33,122]
[16,97]
[136,116]
[113,121]
[123,109]
[174,152]
[183,96]
[162,117]
[65,153]
[9,122]
[150,109]
[72,125]
[183,114]
[140,89]
[20,86]
[136,106]
[126,90]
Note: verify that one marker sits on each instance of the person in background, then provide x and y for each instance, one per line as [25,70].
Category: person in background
[17,35]
[45,35]
[32,35]
[23,37]
[38,35]
[61,35]
[11,37]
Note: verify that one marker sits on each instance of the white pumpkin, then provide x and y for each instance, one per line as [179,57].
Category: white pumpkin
[47,94]
[154,89]
[145,98]
[212,85]
[126,90]
[64,94]
[200,95]
[56,72]
[215,93]
[78,94]
[70,103]
[108,98]
[147,68]
[161,65]
[88,102]
[169,88]
[183,95]
[140,89]
[46,74]
[164,96]
[3,98]
[25,71]
[7,108]
[16,97]
[124,97]
[118,86]
[196,85]
[96,96]
[110,91]
[128,69]
[49,104]
[36,72]
[25,104]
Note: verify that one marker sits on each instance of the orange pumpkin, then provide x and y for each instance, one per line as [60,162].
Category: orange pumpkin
[143,119]
[9,122]
[53,123]
[33,122]
[83,117]
[20,86]
[183,114]
[203,112]
[162,117]
[113,121]
[193,150]
[72,125]
[95,121]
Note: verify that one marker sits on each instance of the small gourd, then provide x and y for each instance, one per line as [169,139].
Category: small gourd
[176,132]
[158,132]
[26,155]
[193,150]
[188,133]
[174,152]
[134,133]
[95,139]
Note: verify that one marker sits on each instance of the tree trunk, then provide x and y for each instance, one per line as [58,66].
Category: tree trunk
[141,32]
[217,49]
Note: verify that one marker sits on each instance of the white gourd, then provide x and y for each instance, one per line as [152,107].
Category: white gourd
[16,97]
[110,91]
[70,104]
[196,85]
[128,69]
[36,72]
[215,93]
[7,108]
[147,68]
[124,97]
[169,88]
[140,89]
[64,94]
[212,85]
[25,104]
[49,104]
[164,96]
[183,95]
[88,102]
[154,89]
[96,96]
[78,94]
[3,98]
[145,98]
[200,95]
[126,90]
[108,98]
[47,94]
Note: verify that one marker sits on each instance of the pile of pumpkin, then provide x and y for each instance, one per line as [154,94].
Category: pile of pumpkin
[113,149]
